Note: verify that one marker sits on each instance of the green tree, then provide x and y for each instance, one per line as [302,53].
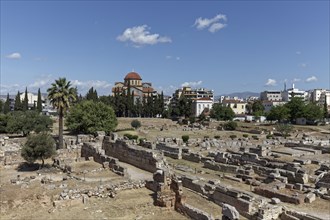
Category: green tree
[38,147]
[279,113]
[92,95]
[185,107]
[6,107]
[25,103]
[61,95]
[284,129]
[28,121]
[3,123]
[135,124]
[230,126]
[18,103]
[88,117]
[313,112]
[296,108]
[1,106]
[39,102]
[325,110]
[220,112]
[258,108]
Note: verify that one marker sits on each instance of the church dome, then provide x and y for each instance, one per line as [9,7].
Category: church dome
[132,75]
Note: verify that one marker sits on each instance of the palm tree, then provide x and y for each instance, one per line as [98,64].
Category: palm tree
[61,94]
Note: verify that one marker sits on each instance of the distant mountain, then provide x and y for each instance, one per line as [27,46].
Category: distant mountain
[242,95]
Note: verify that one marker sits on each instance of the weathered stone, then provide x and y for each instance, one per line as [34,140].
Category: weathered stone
[310,197]
[275,201]
[230,211]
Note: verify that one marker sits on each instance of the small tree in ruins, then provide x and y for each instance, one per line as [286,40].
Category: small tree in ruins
[38,147]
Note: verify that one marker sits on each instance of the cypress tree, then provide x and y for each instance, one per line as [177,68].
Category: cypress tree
[6,107]
[25,104]
[39,102]
[18,104]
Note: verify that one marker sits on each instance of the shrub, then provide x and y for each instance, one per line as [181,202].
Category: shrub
[255,137]
[38,147]
[136,124]
[206,137]
[142,140]
[233,136]
[131,136]
[185,138]
[269,136]
[245,135]
[230,126]
[217,136]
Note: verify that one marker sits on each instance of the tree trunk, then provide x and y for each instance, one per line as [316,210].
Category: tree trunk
[60,129]
[43,162]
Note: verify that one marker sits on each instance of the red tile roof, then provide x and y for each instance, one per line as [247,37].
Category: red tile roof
[132,75]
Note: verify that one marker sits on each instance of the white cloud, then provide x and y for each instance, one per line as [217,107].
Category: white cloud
[15,56]
[303,65]
[311,79]
[298,52]
[11,89]
[216,26]
[167,90]
[140,35]
[192,84]
[177,58]
[168,57]
[213,24]
[271,82]
[44,81]
[296,80]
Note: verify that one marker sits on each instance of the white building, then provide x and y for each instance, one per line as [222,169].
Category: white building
[271,96]
[201,104]
[320,96]
[268,105]
[32,98]
[294,92]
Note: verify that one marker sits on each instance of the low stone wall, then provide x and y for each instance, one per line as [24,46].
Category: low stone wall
[98,154]
[234,198]
[135,155]
[195,213]
[170,151]
[193,184]
[226,168]
[301,215]
[193,157]
[270,193]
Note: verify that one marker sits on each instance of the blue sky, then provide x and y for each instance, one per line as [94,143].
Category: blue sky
[227,46]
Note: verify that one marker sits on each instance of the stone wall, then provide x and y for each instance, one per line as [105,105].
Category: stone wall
[284,197]
[172,151]
[94,150]
[135,155]
[195,213]
[234,198]
[226,168]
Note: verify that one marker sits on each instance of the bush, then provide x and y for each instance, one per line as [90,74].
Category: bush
[185,138]
[142,140]
[255,137]
[230,126]
[245,135]
[217,136]
[136,124]
[233,136]
[88,117]
[206,137]
[131,136]
[269,136]
[38,147]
